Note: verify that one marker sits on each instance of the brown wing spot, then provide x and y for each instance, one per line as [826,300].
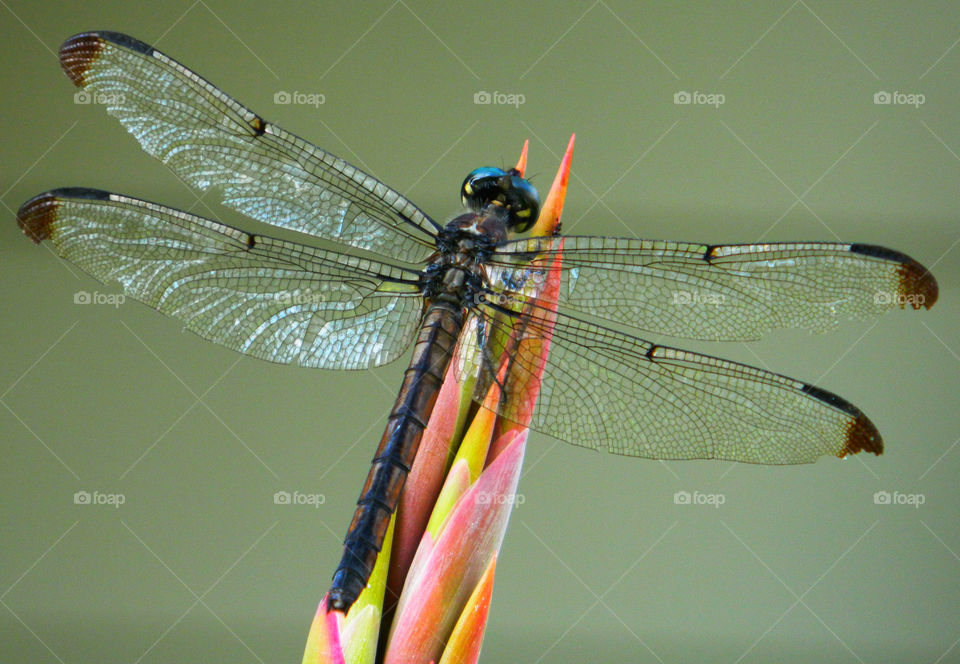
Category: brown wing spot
[78,53]
[917,285]
[862,436]
[37,216]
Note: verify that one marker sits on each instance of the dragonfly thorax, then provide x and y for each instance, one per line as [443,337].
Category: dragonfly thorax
[472,236]
[463,245]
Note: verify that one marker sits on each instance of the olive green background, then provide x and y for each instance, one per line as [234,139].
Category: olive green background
[199,565]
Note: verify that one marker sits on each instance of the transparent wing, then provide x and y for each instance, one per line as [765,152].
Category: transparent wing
[275,300]
[604,389]
[720,292]
[213,142]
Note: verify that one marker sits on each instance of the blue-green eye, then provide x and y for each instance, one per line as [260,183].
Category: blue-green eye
[488,184]
[481,186]
[524,204]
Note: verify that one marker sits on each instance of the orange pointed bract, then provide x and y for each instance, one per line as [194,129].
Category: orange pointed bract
[553,205]
[524,393]
[467,637]
[522,161]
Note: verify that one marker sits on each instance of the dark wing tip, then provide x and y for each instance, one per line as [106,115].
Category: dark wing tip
[80,51]
[918,287]
[861,434]
[36,217]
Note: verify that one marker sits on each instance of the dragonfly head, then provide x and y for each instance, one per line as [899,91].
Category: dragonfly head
[495,186]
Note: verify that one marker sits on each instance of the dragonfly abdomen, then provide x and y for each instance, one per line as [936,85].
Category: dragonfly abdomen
[381,493]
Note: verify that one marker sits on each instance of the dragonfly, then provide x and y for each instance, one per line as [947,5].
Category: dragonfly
[397,278]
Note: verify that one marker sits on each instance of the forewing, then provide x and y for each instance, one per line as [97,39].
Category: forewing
[275,300]
[722,292]
[604,389]
[213,142]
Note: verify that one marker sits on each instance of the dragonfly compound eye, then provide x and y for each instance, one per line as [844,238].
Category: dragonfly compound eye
[481,186]
[524,204]
[489,184]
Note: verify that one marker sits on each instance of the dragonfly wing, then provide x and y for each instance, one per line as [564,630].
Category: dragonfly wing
[275,300]
[213,142]
[720,292]
[604,389]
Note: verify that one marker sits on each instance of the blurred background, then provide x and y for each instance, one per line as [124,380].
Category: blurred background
[802,121]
